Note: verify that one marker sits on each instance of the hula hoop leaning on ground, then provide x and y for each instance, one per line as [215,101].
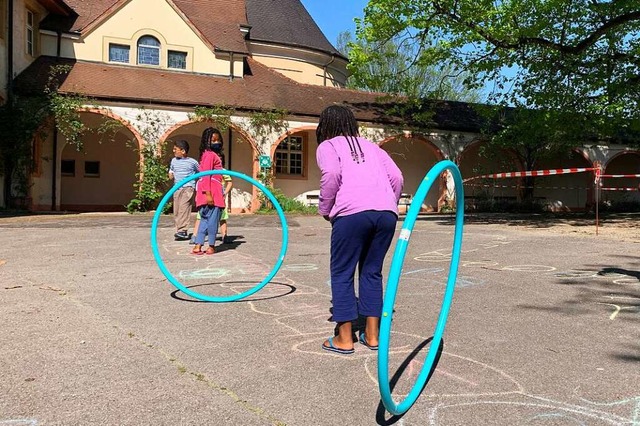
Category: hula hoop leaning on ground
[194,294]
[392,288]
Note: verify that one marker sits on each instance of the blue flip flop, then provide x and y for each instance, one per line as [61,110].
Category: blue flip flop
[363,340]
[332,348]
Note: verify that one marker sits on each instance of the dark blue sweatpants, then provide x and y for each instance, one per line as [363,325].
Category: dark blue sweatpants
[361,240]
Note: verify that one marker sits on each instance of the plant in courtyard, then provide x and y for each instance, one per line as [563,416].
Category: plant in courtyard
[152,172]
[25,118]
[218,114]
[289,205]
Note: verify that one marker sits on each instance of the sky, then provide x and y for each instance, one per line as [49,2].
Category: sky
[335,16]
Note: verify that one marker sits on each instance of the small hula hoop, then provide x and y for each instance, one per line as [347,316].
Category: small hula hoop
[194,294]
[392,288]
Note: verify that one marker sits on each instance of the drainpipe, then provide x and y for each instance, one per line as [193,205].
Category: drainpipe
[230,149]
[54,178]
[10,52]
[231,66]
[324,68]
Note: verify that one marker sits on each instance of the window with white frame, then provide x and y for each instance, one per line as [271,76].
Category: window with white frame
[289,156]
[30,32]
[148,50]
[119,53]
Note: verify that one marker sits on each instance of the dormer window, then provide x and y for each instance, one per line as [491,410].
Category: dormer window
[148,51]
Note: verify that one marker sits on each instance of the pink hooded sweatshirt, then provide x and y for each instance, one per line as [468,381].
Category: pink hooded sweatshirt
[213,183]
[357,175]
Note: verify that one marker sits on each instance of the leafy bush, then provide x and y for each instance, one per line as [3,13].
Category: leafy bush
[289,205]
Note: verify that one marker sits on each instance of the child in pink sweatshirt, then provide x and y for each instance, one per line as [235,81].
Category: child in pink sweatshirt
[360,186]
[209,199]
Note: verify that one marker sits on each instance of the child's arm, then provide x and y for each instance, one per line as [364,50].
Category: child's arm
[228,183]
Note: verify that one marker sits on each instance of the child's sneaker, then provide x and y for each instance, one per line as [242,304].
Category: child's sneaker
[181,236]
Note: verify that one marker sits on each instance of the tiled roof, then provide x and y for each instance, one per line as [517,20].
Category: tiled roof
[278,21]
[86,11]
[286,22]
[217,20]
[261,88]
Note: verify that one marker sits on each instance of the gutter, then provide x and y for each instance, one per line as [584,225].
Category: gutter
[324,69]
[54,180]
[10,52]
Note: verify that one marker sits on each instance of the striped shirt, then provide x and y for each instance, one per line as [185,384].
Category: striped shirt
[182,168]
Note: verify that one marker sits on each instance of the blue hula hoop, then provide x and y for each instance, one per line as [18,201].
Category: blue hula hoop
[392,288]
[194,294]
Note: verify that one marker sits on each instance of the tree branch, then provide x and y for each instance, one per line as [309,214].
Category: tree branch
[524,41]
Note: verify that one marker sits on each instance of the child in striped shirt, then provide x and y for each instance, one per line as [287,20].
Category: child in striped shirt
[181,168]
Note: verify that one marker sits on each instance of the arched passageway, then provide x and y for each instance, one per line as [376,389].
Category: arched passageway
[479,158]
[239,151]
[625,163]
[574,191]
[415,156]
[102,174]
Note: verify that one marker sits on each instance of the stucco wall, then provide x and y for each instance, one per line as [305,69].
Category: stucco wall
[294,186]
[302,65]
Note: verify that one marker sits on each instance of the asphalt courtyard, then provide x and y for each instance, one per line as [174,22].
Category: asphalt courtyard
[544,328]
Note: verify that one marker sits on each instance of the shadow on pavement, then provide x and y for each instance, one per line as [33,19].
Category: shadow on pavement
[381,411]
[253,298]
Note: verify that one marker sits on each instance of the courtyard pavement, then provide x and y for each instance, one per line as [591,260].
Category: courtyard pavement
[544,328]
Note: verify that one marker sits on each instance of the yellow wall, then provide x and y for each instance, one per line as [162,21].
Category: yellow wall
[292,187]
[299,71]
[156,18]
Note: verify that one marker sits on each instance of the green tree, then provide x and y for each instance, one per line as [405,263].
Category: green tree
[391,68]
[564,56]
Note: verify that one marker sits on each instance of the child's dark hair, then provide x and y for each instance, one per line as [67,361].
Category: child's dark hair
[206,143]
[338,120]
[182,144]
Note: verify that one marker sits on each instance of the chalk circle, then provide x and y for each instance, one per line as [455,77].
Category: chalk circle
[529,268]
[392,288]
[432,257]
[194,294]
[629,280]
[576,273]
[486,264]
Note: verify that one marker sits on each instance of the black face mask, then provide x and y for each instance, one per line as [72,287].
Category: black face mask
[215,147]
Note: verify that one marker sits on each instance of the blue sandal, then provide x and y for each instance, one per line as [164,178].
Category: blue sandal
[335,349]
[363,340]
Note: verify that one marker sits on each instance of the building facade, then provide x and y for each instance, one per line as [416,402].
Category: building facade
[148,64]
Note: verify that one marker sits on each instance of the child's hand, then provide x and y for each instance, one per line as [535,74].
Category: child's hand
[209,199]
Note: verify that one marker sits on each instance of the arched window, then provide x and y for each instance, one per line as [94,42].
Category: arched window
[148,51]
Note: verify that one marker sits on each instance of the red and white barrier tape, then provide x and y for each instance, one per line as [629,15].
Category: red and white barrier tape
[620,176]
[619,189]
[533,173]
[522,187]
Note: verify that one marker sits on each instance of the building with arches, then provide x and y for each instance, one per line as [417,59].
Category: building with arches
[142,61]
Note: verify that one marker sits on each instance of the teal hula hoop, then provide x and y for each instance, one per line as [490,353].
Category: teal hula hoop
[194,294]
[392,288]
